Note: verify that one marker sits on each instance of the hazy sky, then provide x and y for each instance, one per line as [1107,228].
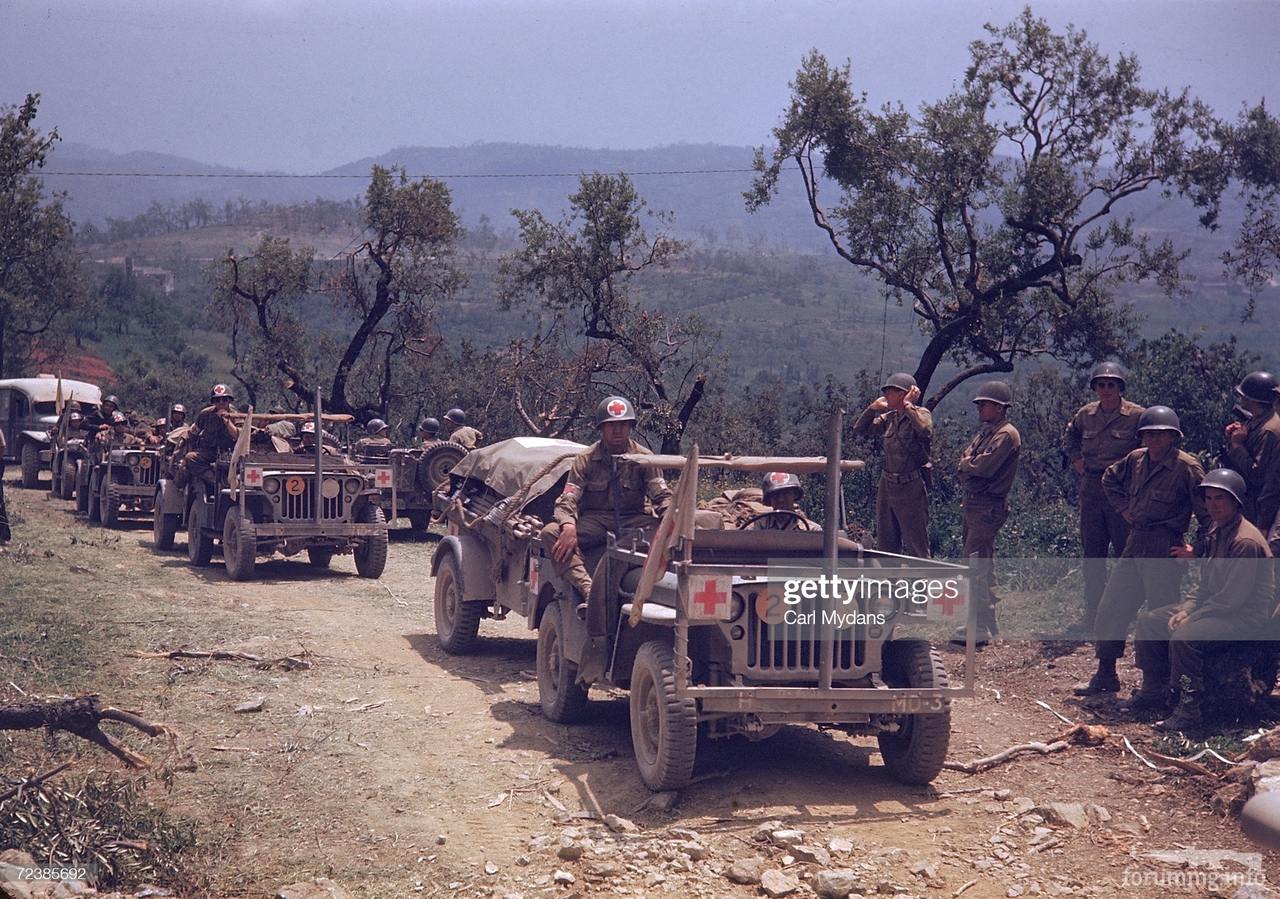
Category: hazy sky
[304,85]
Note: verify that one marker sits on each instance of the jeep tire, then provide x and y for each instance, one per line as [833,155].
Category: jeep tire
[914,755]
[457,622]
[563,699]
[664,728]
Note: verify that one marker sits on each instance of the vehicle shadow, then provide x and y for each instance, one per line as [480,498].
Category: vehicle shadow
[410,535]
[802,774]
[497,662]
[268,571]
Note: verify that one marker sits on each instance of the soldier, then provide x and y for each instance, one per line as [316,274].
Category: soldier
[986,470]
[602,495]
[429,430]
[119,434]
[177,417]
[5,533]
[902,498]
[783,492]
[100,419]
[459,431]
[284,430]
[1233,602]
[307,440]
[1154,488]
[1253,448]
[212,432]
[376,442]
[159,428]
[1101,433]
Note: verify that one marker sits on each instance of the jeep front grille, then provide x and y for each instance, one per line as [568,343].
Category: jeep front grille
[300,505]
[786,650]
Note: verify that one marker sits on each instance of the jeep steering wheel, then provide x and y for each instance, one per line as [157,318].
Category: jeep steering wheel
[782,516]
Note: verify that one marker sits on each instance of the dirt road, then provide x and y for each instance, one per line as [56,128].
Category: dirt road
[399,771]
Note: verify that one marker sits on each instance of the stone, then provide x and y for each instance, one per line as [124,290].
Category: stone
[840,845]
[1002,795]
[762,831]
[490,868]
[563,877]
[653,878]
[256,704]
[775,883]
[1069,814]
[694,850]
[924,869]
[1230,799]
[569,851]
[320,888]
[746,870]
[835,884]
[787,837]
[1098,814]
[441,839]
[684,833]
[600,868]
[620,825]
[814,855]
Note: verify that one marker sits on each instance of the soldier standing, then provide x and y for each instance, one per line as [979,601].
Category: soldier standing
[986,470]
[1253,448]
[429,430]
[1101,433]
[602,495]
[783,491]
[212,432]
[1154,488]
[1233,602]
[902,498]
[459,431]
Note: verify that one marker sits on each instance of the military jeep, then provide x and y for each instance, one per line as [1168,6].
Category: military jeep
[717,645]
[415,472]
[268,500]
[119,480]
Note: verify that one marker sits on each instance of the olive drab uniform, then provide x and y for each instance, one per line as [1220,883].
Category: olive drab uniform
[986,470]
[209,435]
[1099,438]
[902,500]
[784,522]
[466,436]
[1233,601]
[1159,499]
[372,447]
[603,495]
[1258,462]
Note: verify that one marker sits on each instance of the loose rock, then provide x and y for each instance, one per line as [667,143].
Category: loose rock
[835,884]
[1070,814]
[787,837]
[776,884]
[563,877]
[256,704]
[619,825]
[746,870]
[815,855]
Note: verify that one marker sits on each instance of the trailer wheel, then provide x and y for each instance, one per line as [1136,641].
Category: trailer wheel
[457,622]
[82,487]
[563,700]
[30,465]
[371,552]
[199,545]
[66,479]
[239,550]
[914,755]
[664,728]
[109,512]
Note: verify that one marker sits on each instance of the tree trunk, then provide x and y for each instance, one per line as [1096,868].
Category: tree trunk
[81,716]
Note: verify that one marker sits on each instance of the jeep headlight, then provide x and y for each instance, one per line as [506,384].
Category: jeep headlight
[271,485]
[353,485]
[133,460]
[737,605]
[884,605]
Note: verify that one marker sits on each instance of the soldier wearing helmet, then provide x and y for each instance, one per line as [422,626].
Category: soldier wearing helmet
[986,470]
[1233,601]
[459,431]
[1099,434]
[212,432]
[375,443]
[782,492]
[307,440]
[100,419]
[118,434]
[1253,448]
[1154,488]
[602,494]
[176,418]
[429,430]
[906,433]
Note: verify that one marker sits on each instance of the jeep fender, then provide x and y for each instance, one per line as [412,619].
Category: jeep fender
[39,437]
[168,498]
[474,565]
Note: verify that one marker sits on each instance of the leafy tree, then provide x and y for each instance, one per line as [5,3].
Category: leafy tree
[382,301]
[997,211]
[582,268]
[40,287]
[1255,145]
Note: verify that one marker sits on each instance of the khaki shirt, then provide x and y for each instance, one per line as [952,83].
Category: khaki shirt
[211,433]
[1237,578]
[1258,462]
[990,461]
[466,436]
[363,444]
[1101,438]
[907,436]
[1156,495]
[601,483]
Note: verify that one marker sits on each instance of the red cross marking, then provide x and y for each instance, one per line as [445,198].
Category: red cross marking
[382,477]
[253,477]
[949,604]
[710,599]
[617,407]
[778,477]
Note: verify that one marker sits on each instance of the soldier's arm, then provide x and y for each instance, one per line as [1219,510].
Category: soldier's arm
[1073,439]
[1247,565]
[993,456]
[1115,481]
[1269,497]
[658,490]
[866,422]
[921,420]
[566,511]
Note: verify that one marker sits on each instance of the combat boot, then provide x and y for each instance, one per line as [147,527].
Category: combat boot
[1186,716]
[1151,698]
[1104,680]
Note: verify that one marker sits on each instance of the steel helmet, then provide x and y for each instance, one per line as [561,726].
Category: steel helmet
[112,399]
[456,415]
[220,392]
[375,426]
[308,427]
[995,392]
[74,417]
[1259,386]
[178,407]
[71,406]
[430,426]
[1228,480]
[119,418]
[774,481]
[615,408]
[901,380]
[160,423]
[1112,370]
[1159,418]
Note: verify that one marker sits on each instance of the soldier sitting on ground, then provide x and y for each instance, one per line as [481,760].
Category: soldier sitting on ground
[1232,603]
[783,492]
[459,431]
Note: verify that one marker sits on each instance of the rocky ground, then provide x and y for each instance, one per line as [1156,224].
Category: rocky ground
[351,756]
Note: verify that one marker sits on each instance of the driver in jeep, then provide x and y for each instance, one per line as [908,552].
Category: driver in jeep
[783,492]
[603,495]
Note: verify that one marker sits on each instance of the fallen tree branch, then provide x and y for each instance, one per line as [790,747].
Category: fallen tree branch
[81,715]
[1076,734]
[35,780]
[289,663]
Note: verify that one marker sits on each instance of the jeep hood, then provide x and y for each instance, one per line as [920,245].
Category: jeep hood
[508,466]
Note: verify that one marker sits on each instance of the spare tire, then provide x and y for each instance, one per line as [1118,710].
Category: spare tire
[437,461]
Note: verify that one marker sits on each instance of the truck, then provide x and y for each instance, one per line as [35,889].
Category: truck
[28,410]
[729,640]
[264,498]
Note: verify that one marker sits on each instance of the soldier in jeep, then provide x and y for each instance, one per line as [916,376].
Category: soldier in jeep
[212,432]
[783,492]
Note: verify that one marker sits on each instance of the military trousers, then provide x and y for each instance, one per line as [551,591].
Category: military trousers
[1144,577]
[1101,528]
[593,531]
[981,521]
[902,515]
[1167,656]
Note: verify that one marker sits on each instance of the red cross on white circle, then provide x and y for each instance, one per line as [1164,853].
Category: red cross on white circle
[617,408]
[778,477]
[219,390]
[382,478]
